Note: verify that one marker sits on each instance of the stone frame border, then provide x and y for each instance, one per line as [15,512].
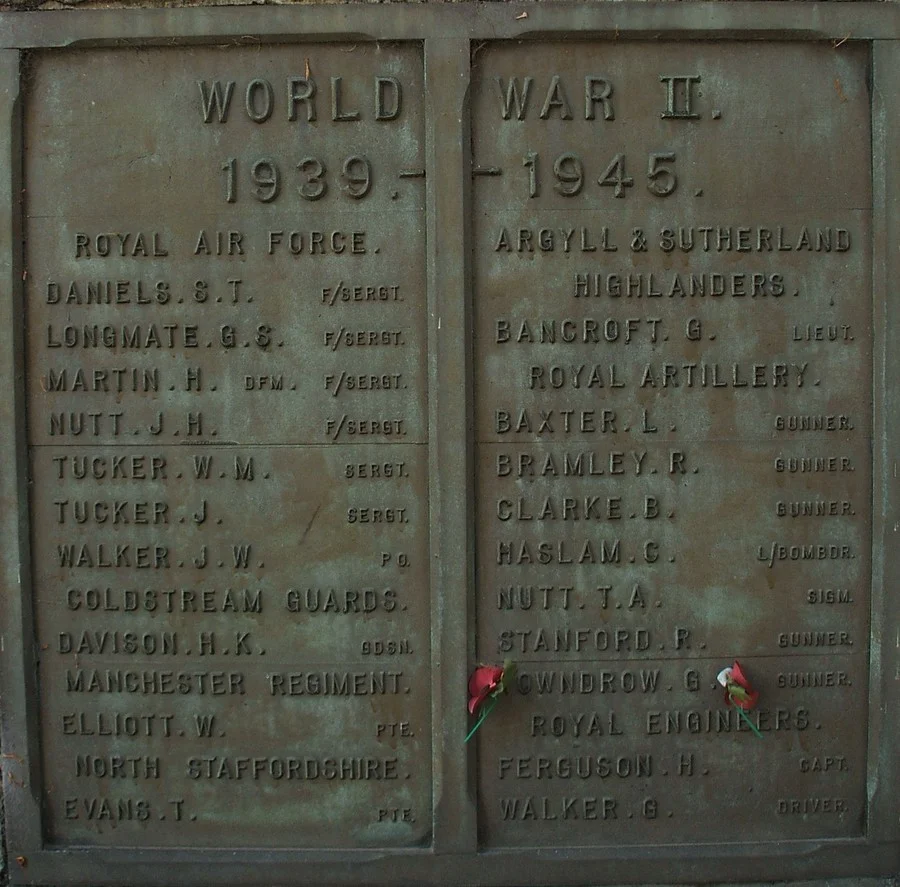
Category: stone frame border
[448,32]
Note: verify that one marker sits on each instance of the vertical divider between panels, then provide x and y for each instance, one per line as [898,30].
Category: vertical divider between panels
[18,686]
[450,446]
[884,716]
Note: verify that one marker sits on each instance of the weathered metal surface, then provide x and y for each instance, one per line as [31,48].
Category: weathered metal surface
[226,390]
[283,487]
[671,274]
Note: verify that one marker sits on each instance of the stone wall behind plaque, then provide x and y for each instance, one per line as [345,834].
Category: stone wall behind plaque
[169,4]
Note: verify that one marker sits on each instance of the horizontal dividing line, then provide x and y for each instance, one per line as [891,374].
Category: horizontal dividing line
[608,439]
[412,173]
[733,852]
[493,172]
[482,98]
[176,660]
[487,171]
[187,661]
[486,143]
[699,204]
[228,445]
[235,209]
[825,654]
[605,440]
[745,656]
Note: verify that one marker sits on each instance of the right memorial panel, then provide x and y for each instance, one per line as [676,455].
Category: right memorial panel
[672,311]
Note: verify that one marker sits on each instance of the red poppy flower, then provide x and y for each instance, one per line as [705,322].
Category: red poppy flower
[739,691]
[485,680]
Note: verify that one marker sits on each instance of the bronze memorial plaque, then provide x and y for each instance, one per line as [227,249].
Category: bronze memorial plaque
[672,360]
[226,395]
[349,349]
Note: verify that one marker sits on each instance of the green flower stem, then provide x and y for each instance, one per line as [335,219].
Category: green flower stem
[484,713]
[750,723]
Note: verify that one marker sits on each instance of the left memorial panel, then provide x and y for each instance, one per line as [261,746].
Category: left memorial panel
[226,395]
